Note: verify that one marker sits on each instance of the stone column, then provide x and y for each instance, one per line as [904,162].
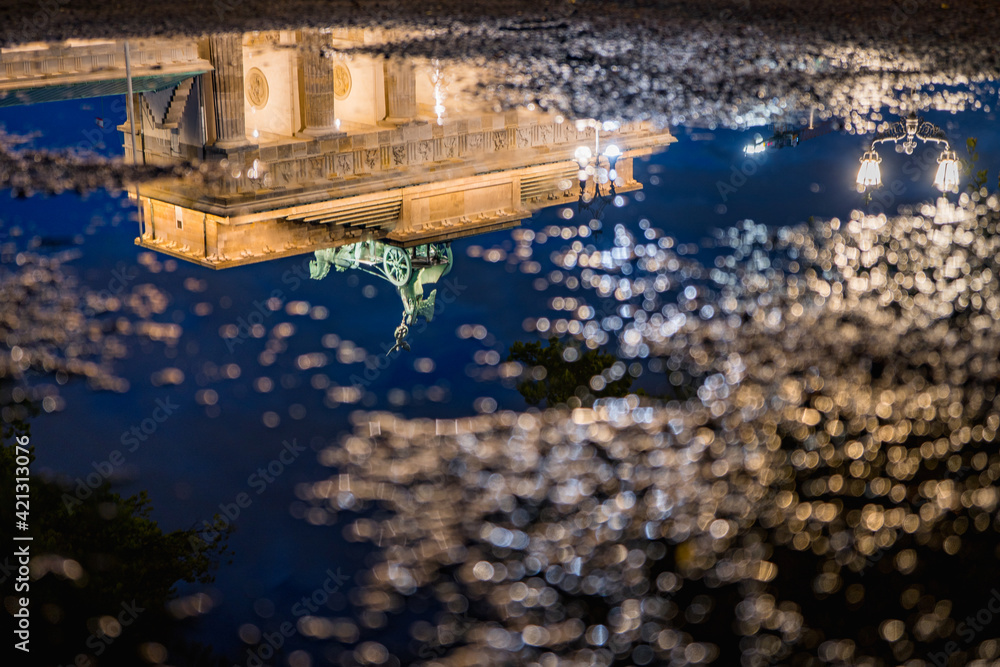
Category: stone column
[319,118]
[400,91]
[624,167]
[226,53]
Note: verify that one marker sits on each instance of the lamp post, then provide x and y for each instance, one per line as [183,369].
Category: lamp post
[904,134]
[597,166]
[597,171]
[597,174]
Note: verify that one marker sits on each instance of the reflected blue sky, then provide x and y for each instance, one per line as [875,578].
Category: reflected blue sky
[200,458]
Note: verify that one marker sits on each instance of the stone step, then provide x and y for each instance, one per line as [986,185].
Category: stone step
[175,109]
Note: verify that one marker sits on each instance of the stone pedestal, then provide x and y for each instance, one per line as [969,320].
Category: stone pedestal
[226,53]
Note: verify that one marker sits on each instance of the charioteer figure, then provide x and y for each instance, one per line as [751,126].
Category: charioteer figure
[408,269]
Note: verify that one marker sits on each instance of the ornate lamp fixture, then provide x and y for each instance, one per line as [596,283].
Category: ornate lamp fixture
[870,174]
[597,167]
[597,174]
[947,172]
[597,179]
[905,134]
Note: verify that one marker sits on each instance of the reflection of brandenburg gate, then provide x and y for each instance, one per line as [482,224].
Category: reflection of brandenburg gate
[323,146]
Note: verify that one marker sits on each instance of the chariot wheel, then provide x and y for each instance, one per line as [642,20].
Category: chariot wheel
[444,250]
[396,265]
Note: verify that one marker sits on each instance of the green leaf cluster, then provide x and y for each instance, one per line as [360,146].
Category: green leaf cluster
[977,177]
[564,379]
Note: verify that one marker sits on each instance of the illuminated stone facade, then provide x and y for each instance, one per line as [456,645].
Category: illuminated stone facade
[322,146]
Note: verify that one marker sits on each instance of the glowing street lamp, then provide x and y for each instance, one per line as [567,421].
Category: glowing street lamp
[583,155]
[870,175]
[597,169]
[946,179]
[905,134]
[612,152]
[758,146]
[597,165]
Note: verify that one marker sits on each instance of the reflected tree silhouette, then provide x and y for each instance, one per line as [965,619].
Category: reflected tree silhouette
[568,373]
[977,177]
[102,573]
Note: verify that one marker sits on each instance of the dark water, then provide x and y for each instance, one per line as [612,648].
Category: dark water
[178,342]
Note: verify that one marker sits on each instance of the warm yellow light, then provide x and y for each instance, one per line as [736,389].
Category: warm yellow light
[870,174]
[946,178]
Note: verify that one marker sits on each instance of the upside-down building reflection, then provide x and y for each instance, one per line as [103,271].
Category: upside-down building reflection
[322,143]
[324,146]
[315,145]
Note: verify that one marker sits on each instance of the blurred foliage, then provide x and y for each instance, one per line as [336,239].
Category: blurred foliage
[977,178]
[564,379]
[100,555]
[16,414]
